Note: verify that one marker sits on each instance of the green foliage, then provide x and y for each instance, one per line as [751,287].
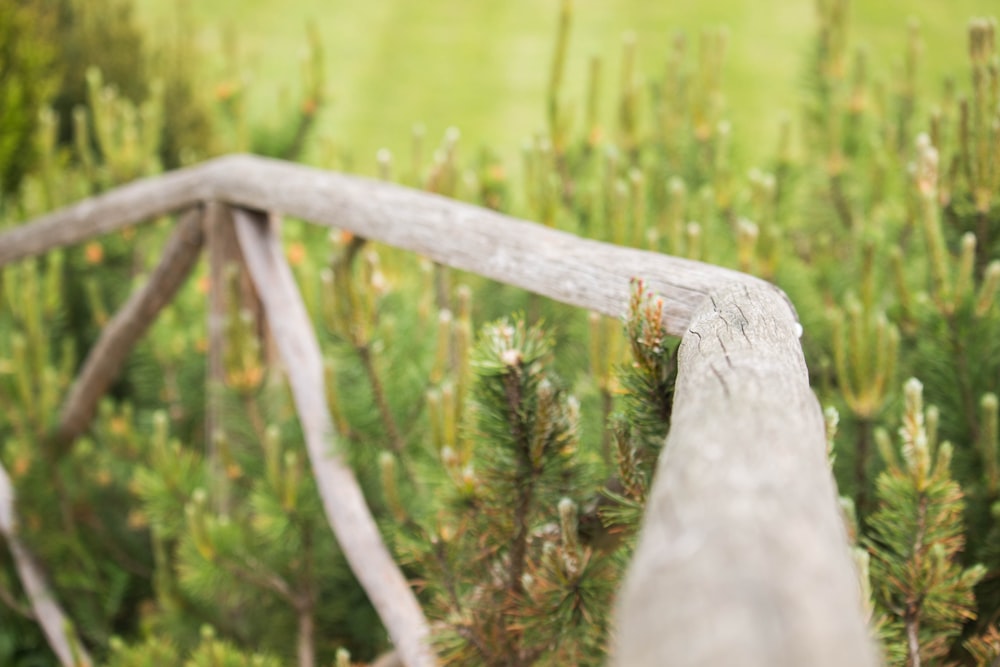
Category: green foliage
[523,463]
[915,536]
[985,649]
[104,35]
[508,476]
[649,381]
[211,652]
[26,80]
[138,70]
[507,574]
[640,427]
[123,104]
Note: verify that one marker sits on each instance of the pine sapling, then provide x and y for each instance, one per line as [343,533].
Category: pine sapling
[915,538]
[640,427]
[506,572]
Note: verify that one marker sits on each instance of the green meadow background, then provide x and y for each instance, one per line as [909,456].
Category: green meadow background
[483,65]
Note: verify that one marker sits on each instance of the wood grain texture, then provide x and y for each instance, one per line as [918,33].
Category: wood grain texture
[126,327]
[742,558]
[556,264]
[343,500]
[46,609]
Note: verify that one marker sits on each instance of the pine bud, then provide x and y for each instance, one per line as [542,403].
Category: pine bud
[989,442]
[390,487]
[831,419]
[693,239]
[915,447]
[966,266]
[383,158]
[986,298]
[511,357]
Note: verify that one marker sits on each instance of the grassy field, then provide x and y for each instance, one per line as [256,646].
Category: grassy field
[483,66]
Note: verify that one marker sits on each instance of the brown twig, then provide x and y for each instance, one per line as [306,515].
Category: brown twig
[306,606]
[306,636]
[862,453]
[396,441]
[840,202]
[7,597]
[525,483]
[259,576]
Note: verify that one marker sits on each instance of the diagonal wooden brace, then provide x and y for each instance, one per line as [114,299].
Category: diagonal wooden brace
[343,500]
[129,324]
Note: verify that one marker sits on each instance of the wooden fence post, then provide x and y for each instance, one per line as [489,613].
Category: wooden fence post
[225,257]
[742,557]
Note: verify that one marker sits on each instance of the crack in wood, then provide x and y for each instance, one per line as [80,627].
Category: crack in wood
[725,351]
[692,331]
[722,317]
[742,314]
[722,381]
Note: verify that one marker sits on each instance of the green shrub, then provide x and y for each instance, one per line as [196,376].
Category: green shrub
[509,475]
[27,78]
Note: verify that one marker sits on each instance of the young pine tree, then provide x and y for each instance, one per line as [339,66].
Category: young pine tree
[915,537]
[514,583]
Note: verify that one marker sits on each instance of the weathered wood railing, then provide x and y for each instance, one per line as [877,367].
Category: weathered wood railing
[742,558]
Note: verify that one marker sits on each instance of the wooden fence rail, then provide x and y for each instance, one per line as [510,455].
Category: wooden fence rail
[742,557]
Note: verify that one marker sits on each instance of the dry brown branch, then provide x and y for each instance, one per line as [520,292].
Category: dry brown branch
[128,325]
[342,498]
[44,606]
[556,264]
[743,558]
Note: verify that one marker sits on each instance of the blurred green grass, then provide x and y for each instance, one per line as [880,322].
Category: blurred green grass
[483,66]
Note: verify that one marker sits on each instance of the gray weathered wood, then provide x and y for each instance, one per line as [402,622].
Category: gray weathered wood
[556,264]
[128,325]
[119,208]
[343,500]
[223,252]
[222,249]
[742,558]
[46,609]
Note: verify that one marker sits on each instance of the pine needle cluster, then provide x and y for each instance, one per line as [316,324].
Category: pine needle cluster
[515,585]
[916,537]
